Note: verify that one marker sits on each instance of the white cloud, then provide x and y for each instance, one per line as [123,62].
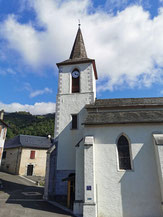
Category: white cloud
[7,71]
[33,93]
[127,47]
[40,92]
[36,109]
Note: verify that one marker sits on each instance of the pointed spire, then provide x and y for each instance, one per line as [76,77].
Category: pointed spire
[78,54]
[78,50]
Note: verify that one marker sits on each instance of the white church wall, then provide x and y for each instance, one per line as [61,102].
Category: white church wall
[126,193]
[94,83]
[86,76]
[68,104]
[68,138]
[79,179]
[158,145]
[3,132]
[71,103]
[89,206]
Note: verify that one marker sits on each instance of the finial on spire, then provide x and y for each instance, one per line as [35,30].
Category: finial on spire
[78,50]
[79,24]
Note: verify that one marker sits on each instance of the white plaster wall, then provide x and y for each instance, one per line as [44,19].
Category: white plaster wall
[133,193]
[159,160]
[2,136]
[79,180]
[86,76]
[79,190]
[71,103]
[2,140]
[94,82]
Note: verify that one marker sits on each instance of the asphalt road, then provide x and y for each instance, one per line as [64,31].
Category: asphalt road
[21,198]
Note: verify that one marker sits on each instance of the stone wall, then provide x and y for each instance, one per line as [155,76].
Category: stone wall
[39,162]
[18,159]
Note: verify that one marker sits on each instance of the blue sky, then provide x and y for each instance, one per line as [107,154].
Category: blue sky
[125,38]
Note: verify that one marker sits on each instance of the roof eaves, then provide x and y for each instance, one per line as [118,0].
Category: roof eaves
[120,122]
[4,123]
[79,61]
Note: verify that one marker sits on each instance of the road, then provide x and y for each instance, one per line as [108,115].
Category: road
[21,198]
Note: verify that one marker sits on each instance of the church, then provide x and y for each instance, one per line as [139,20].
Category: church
[107,156]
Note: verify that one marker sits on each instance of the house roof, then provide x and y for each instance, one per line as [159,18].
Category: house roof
[123,111]
[27,141]
[78,54]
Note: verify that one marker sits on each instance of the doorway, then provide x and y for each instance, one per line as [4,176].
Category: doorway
[71,190]
[30,170]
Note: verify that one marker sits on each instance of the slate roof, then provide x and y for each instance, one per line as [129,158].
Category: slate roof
[127,102]
[27,141]
[78,54]
[78,50]
[123,111]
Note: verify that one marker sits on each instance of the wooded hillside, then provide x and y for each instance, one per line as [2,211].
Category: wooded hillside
[27,124]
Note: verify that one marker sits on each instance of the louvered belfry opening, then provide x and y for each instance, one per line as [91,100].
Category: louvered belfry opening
[76,84]
[124,153]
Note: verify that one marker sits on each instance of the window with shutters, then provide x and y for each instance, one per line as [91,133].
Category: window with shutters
[124,153]
[75,81]
[32,155]
[74,122]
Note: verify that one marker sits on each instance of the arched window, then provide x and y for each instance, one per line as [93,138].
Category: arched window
[124,153]
[75,81]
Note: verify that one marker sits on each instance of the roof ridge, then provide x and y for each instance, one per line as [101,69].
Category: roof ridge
[127,98]
[22,135]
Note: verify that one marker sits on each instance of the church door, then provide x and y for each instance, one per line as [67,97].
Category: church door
[30,170]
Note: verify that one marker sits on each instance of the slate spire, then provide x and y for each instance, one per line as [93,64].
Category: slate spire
[78,50]
[78,54]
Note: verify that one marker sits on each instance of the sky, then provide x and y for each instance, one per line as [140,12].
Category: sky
[124,37]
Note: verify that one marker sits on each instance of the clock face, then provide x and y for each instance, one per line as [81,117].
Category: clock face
[75,74]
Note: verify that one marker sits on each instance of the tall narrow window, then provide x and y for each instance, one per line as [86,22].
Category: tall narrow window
[124,153]
[74,122]
[75,81]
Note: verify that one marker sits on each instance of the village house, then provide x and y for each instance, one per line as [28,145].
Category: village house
[25,155]
[107,156]
[3,132]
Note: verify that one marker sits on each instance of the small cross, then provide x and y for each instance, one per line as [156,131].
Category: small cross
[79,23]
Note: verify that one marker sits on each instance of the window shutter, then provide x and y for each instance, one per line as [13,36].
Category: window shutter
[76,85]
[32,155]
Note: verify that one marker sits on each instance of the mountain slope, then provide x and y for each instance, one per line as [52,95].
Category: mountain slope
[27,124]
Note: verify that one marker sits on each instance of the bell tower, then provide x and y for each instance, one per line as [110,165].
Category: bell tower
[76,88]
